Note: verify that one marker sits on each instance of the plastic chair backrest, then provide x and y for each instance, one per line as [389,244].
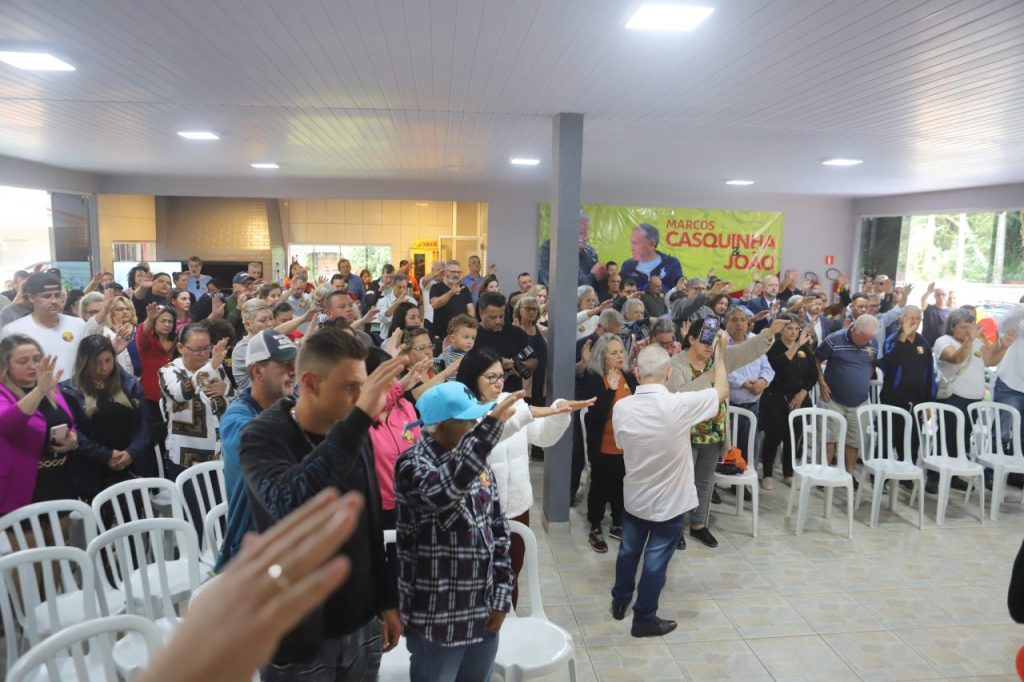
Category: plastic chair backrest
[737,415]
[876,392]
[875,424]
[215,526]
[988,422]
[30,583]
[132,500]
[530,566]
[809,427]
[45,516]
[68,644]
[143,549]
[206,482]
[933,436]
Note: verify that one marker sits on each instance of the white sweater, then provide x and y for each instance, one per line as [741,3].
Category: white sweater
[510,458]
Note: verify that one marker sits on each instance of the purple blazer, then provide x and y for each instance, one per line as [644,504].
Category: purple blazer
[21,445]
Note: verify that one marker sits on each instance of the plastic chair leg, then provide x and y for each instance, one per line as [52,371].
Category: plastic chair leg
[738,491]
[860,492]
[998,491]
[940,510]
[754,503]
[801,512]
[876,498]
[849,510]
[828,501]
[920,501]
[572,669]
[894,494]
[792,495]
[981,495]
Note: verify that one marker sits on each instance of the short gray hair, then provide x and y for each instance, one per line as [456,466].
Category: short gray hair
[652,362]
[631,303]
[453,261]
[909,309]
[867,324]
[252,307]
[91,297]
[959,315]
[519,304]
[582,292]
[650,231]
[611,317]
[661,326]
[596,362]
[399,277]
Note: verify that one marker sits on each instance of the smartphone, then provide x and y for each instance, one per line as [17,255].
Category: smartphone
[709,330]
[59,433]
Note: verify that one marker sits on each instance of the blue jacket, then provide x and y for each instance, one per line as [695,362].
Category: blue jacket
[669,270]
[240,412]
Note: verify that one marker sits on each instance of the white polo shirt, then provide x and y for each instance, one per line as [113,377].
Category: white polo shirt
[652,427]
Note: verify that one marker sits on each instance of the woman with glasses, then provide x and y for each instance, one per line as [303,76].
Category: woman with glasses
[415,343]
[406,315]
[195,389]
[113,424]
[481,372]
[117,322]
[525,316]
[607,381]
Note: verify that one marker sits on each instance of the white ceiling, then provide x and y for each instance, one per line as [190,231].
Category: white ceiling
[927,92]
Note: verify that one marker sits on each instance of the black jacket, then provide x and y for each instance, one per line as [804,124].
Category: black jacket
[89,467]
[282,472]
[591,385]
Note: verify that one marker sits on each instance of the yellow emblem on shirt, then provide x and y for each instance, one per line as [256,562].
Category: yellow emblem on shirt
[801,354]
[870,351]
[920,351]
[485,479]
[67,337]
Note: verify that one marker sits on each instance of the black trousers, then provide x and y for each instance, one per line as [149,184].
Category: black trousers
[774,421]
[606,474]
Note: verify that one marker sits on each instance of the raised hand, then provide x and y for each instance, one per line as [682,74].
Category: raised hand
[217,306]
[504,410]
[152,310]
[374,393]
[216,387]
[220,350]
[47,379]
[121,340]
[572,405]
[585,352]
[805,336]
[776,326]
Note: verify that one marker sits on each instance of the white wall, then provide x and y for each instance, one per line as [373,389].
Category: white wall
[987,198]
[22,173]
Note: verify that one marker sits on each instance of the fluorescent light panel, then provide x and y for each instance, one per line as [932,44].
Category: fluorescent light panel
[35,61]
[665,17]
[523,161]
[739,182]
[842,162]
[265,165]
[198,135]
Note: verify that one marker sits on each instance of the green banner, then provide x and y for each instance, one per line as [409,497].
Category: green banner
[738,245]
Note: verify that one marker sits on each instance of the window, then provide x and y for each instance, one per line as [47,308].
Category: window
[322,259]
[26,222]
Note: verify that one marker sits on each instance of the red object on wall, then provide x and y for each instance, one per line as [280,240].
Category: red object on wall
[830,260]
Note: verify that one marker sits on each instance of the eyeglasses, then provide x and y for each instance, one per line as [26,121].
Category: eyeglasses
[495,378]
[421,347]
[199,351]
[533,308]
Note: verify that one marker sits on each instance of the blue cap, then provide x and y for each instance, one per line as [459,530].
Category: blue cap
[450,400]
[241,278]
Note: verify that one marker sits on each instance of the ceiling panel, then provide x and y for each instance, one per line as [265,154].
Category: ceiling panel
[926,91]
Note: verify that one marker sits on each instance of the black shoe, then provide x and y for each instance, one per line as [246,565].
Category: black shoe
[958,483]
[747,497]
[616,532]
[931,487]
[715,499]
[619,609]
[705,536]
[907,485]
[596,540]
[654,628]
[682,543]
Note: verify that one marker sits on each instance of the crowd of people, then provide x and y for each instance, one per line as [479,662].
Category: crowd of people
[427,396]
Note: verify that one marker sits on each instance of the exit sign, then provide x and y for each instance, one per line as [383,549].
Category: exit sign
[830,260]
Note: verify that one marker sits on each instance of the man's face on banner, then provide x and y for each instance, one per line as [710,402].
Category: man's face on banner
[641,245]
[584,232]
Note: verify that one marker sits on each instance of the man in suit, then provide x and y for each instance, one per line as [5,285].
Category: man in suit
[769,300]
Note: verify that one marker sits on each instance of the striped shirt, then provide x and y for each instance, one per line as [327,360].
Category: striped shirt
[454,566]
[850,367]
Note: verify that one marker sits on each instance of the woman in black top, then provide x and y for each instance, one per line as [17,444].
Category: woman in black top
[113,422]
[792,358]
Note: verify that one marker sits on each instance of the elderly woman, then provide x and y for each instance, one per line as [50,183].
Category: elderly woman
[588,308]
[90,306]
[607,380]
[524,316]
[195,389]
[662,334]
[692,371]
[117,322]
[532,425]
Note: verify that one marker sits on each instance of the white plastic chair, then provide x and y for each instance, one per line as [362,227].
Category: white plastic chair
[215,527]
[809,426]
[878,451]
[42,591]
[532,646]
[394,665]
[749,477]
[988,421]
[63,656]
[124,499]
[206,482]
[935,445]
[45,516]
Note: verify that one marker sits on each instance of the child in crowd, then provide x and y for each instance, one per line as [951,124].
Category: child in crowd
[461,339]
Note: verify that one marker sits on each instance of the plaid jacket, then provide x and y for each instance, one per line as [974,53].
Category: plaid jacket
[453,540]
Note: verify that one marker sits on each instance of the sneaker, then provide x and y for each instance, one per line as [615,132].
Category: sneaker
[654,628]
[705,536]
[596,540]
[682,543]
[619,609]
[767,483]
[788,480]
[616,532]
[715,499]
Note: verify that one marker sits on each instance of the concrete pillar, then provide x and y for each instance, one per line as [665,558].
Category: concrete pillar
[566,171]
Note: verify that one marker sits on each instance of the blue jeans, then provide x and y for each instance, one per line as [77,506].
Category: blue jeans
[431,662]
[657,541]
[348,658]
[1015,399]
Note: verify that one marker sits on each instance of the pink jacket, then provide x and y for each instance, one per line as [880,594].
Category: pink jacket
[390,439]
[21,445]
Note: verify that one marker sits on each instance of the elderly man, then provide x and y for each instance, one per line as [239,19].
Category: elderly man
[769,301]
[654,299]
[846,382]
[908,373]
[389,302]
[746,383]
[355,285]
[455,574]
[474,280]
[450,298]
[935,314]
[591,269]
[653,429]
[646,260]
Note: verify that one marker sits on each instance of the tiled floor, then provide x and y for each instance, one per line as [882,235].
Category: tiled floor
[893,603]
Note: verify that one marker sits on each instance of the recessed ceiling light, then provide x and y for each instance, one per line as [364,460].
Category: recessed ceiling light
[739,182]
[267,166]
[35,61]
[842,162]
[422,203]
[198,135]
[665,17]
[523,161]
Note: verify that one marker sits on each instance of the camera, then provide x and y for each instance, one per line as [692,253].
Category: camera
[522,370]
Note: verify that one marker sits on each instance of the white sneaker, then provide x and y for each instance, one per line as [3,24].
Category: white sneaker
[767,483]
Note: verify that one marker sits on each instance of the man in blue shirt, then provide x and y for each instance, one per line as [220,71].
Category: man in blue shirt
[197,281]
[355,285]
[270,361]
[647,260]
[845,385]
[474,279]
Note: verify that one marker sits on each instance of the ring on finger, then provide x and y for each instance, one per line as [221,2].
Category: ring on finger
[277,576]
